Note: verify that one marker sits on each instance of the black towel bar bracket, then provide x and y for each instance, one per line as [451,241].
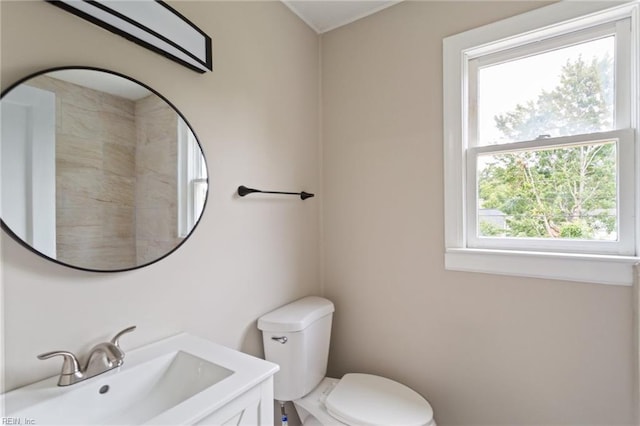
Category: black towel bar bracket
[243,190]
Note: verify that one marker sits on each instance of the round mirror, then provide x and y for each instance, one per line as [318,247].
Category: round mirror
[99,172]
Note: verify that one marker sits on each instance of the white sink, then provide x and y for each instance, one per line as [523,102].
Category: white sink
[176,381]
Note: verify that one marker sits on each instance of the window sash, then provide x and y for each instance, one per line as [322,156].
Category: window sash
[625,153]
[621,29]
[192,177]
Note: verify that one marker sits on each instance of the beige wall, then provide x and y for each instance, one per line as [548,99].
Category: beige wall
[636,339]
[256,116]
[483,349]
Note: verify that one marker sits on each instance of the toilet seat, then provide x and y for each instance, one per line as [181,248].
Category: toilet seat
[365,399]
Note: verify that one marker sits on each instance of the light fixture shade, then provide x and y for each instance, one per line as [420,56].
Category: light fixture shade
[152,24]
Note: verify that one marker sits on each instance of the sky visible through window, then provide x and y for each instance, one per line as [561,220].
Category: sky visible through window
[503,86]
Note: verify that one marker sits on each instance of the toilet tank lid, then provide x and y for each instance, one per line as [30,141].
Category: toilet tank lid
[296,316]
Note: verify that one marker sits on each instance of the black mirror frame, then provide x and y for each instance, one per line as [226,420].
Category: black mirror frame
[8,230]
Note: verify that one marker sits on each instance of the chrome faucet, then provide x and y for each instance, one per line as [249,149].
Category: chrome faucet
[102,357]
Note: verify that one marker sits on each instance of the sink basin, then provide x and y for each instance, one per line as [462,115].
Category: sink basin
[179,380]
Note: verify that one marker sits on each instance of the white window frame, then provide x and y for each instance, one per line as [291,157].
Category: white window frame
[504,37]
[192,179]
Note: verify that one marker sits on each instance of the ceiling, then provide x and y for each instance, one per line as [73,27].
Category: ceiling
[326,15]
[103,82]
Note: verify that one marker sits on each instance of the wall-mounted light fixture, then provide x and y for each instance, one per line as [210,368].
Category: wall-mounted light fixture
[152,24]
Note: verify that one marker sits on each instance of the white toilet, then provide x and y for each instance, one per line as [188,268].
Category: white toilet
[296,336]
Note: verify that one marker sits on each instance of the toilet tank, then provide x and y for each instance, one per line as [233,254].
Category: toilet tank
[296,337]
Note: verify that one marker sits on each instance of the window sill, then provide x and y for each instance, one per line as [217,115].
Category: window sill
[612,270]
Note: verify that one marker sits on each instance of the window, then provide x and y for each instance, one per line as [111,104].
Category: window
[541,162]
[192,180]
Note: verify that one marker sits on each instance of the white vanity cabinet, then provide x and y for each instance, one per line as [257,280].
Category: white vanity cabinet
[254,407]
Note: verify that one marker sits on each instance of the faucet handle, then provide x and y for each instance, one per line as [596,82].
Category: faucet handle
[116,338]
[70,363]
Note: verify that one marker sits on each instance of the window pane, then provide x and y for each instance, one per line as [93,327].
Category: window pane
[562,92]
[558,192]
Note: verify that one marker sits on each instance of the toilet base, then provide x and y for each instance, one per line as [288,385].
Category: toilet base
[311,408]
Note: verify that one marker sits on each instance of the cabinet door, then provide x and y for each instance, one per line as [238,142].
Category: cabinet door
[254,407]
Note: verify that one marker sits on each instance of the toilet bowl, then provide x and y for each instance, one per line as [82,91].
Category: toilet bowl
[296,336]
